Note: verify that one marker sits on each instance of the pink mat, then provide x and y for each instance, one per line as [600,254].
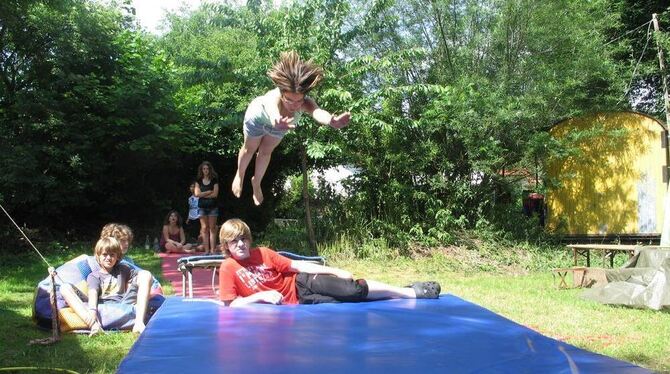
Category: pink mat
[202,278]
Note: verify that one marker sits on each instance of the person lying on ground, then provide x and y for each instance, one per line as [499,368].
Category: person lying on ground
[260,275]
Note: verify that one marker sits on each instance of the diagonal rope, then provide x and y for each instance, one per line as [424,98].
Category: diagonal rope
[55,322]
[26,237]
[630,83]
[628,32]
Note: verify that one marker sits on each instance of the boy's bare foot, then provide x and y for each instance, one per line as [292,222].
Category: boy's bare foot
[237,186]
[96,329]
[138,328]
[258,193]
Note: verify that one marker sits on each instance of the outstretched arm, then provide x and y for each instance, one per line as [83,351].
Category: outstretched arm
[312,268]
[324,117]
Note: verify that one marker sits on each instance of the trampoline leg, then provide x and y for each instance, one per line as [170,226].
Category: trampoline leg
[213,277]
[190,283]
[183,284]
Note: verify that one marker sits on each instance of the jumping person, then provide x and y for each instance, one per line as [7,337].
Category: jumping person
[269,117]
[260,275]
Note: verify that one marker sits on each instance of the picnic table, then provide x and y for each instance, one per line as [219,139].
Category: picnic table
[607,251]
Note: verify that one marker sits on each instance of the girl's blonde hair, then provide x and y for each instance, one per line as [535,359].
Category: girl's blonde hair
[232,229]
[291,74]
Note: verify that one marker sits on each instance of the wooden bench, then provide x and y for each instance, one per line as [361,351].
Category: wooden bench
[578,277]
[582,277]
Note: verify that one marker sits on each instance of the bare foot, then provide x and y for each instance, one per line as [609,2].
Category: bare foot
[237,186]
[96,329]
[258,193]
[138,328]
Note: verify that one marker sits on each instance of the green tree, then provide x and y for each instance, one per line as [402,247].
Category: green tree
[86,112]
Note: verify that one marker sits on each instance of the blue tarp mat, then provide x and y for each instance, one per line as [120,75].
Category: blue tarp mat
[447,335]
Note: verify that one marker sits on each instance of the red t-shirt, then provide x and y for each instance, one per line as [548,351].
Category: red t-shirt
[263,270]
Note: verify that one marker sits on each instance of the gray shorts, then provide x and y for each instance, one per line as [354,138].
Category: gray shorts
[255,130]
[130,297]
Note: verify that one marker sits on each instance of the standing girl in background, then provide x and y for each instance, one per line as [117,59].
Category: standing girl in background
[207,190]
[269,117]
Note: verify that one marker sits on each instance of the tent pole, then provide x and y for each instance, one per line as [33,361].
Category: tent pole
[665,233]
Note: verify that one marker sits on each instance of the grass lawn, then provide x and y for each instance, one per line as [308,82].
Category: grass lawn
[638,336]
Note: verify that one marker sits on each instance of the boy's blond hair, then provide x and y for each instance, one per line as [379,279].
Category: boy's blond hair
[291,74]
[110,245]
[118,231]
[232,229]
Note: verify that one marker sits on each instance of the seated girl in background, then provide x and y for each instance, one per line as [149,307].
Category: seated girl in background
[173,238]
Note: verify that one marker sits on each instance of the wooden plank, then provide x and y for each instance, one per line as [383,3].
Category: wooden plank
[612,247]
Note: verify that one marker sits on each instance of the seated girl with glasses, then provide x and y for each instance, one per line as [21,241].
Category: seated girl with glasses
[260,275]
[269,117]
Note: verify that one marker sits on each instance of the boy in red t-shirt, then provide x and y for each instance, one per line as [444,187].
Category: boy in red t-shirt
[260,275]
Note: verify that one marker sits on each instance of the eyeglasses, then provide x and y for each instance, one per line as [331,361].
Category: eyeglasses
[235,242]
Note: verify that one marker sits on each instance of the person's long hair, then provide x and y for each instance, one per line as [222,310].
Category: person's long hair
[212,173]
[291,74]
[166,221]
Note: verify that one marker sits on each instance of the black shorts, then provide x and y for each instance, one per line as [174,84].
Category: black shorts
[322,288]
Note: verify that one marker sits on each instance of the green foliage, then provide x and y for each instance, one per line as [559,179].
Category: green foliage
[87,115]
[105,122]
[292,237]
[440,116]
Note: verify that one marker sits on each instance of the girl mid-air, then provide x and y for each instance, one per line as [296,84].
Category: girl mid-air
[269,117]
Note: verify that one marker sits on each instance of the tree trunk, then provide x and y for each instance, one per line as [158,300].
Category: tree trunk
[305,195]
